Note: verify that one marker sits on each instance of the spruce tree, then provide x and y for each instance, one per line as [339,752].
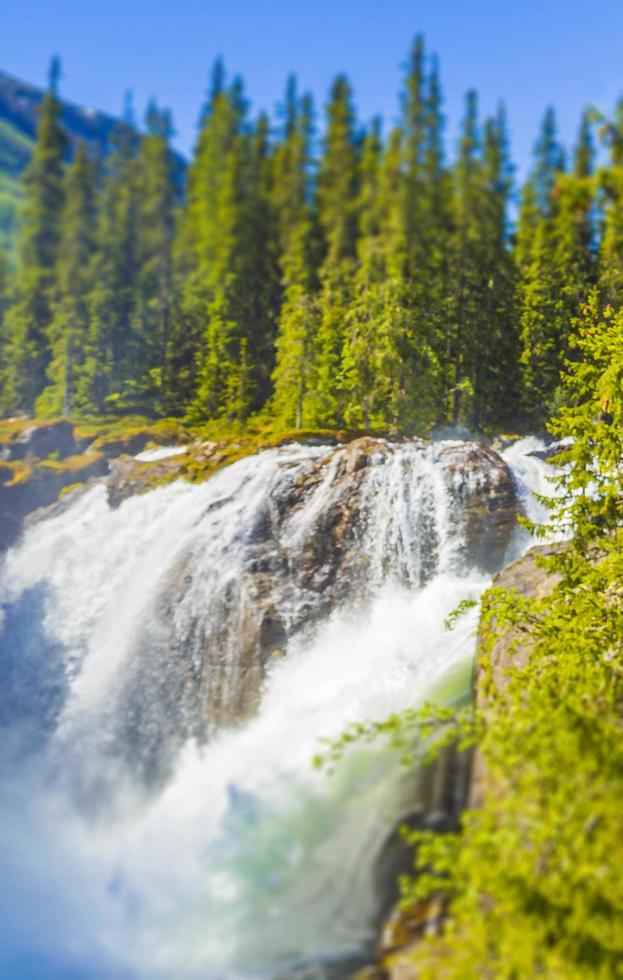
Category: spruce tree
[5,294]
[28,321]
[110,363]
[336,204]
[383,373]
[416,120]
[482,337]
[293,376]
[554,255]
[535,248]
[260,271]
[429,223]
[495,353]
[153,378]
[216,307]
[464,299]
[610,260]
[365,400]
[74,278]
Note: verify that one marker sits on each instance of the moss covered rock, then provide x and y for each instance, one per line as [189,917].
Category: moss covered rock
[27,487]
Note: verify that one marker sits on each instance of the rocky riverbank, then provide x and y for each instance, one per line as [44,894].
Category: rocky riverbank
[403,929]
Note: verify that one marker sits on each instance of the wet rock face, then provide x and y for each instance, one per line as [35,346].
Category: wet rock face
[482,487]
[512,647]
[37,441]
[327,535]
[40,489]
[37,461]
[335,525]
[327,528]
[128,477]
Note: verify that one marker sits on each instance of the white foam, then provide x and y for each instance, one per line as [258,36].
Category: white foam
[246,859]
[160,452]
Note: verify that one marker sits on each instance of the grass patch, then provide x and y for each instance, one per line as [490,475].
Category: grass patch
[72,464]
[69,489]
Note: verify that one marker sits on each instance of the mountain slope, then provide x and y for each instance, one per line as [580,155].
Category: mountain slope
[19,104]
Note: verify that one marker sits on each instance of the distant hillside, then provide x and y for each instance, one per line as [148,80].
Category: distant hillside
[19,103]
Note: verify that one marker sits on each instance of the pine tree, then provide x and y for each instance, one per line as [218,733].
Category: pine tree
[110,362]
[70,324]
[549,161]
[611,185]
[364,388]
[584,151]
[428,208]
[155,228]
[416,119]
[294,371]
[464,299]
[554,254]
[538,276]
[384,374]
[28,320]
[482,337]
[260,271]
[217,243]
[495,354]
[336,204]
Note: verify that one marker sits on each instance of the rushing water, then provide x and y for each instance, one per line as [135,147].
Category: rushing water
[139,841]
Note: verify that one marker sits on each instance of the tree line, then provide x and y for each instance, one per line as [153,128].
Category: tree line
[314,274]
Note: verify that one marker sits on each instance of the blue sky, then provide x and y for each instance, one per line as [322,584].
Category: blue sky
[527,53]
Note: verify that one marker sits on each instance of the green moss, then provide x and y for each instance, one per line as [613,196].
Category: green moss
[118,436]
[69,489]
[211,446]
[72,464]
[21,472]
[12,429]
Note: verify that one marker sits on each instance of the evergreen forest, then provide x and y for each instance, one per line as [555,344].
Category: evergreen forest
[315,271]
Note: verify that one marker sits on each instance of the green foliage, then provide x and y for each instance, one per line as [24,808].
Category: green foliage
[351,279]
[533,879]
[27,344]
[418,734]
[555,253]
[69,329]
[534,876]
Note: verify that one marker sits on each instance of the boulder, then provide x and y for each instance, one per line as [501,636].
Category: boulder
[128,477]
[483,489]
[38,486]
[512,647]
[551,450]
[305,555]
[39,440]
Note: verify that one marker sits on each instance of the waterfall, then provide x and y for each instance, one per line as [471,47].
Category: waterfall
[168,669]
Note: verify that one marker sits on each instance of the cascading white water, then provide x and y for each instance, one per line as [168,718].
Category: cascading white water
[223,854]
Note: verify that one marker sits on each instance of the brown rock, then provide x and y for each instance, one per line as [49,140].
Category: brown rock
[327,569]
[39,488]
[37,440]
[512,648]
[482,486]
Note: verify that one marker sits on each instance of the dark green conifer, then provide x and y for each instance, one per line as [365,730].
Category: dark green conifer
[110,365]
[610,179]
[69,330]
[293,377]
[336,204]
[28,320]
[554,256]
[152,378]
